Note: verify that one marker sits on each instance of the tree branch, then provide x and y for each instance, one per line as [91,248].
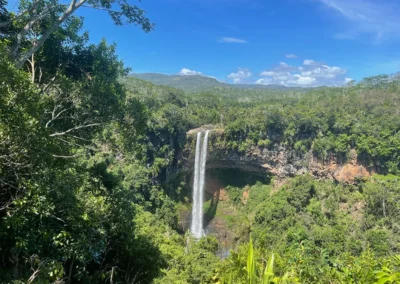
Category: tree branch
[28,27]
[22,13]
[55,117]
[72,7]
[72,129]
[67,157]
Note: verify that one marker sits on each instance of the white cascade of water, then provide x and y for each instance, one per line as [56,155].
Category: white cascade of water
[195,210]
[198,185]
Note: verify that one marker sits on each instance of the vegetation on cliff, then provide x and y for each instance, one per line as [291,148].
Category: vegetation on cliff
[319,232]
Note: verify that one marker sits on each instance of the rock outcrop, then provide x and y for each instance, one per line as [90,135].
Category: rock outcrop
[278,160]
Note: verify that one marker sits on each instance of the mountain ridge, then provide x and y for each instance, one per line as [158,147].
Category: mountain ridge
[199,83]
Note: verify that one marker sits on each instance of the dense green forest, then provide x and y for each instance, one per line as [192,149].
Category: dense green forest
[90,170]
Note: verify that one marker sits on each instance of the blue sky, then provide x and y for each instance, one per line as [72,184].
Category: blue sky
[289,42]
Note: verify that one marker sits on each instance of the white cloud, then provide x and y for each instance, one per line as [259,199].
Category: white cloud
[188,72]
[284,67]
[269,73]
[291,56]
[325,71]
[280,76]
[269,81]
[240,75]
[302,81]
[309,62]
[348,80]
[311,74]
[232,40]
[378,18]
[264,81]
[214,78]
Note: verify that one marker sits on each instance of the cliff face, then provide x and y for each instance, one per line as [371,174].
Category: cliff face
[221,218]
[278,160]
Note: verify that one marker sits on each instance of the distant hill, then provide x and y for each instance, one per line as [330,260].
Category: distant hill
[197,83]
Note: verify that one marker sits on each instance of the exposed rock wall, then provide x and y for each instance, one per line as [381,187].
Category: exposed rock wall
[278,160]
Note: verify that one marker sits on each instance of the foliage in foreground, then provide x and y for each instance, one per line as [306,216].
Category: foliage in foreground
[365,269]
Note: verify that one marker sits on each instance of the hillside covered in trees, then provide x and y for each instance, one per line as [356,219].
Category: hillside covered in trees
[93,187]
[200,83]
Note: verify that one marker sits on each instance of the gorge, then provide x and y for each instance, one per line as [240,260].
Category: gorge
[269,167]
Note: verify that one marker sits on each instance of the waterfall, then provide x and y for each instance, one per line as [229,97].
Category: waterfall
[198,185]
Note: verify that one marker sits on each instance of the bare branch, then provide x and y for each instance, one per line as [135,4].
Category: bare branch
[67,157]
[79,138]
[75,128]
[33,276]
[57,116]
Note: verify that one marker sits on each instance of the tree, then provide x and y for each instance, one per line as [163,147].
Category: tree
[60,189]
[33,13]
[4,15]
